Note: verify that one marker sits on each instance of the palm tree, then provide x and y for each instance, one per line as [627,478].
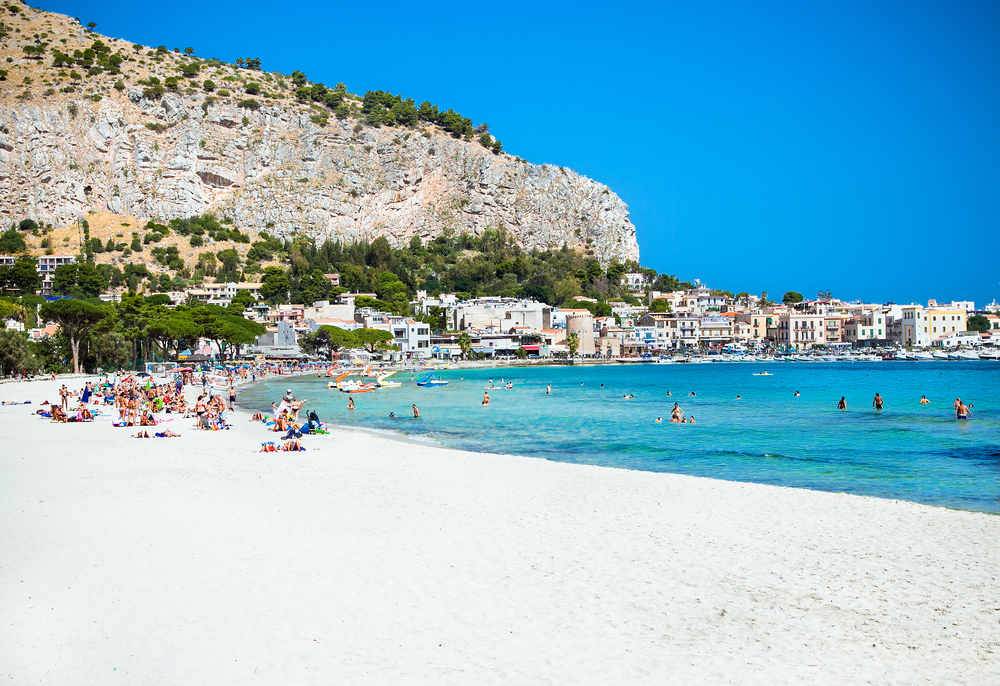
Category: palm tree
[573,342]
[465,343]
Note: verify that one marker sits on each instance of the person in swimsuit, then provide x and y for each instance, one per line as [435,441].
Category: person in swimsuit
[691,421]
[738,397]
[958,401]
[232,397]
[350,403]
[486,398]
[924,400]
[659,419]
[416,412]
[842,405]
[548,390]
[877,402]
[963,412]
[797,394]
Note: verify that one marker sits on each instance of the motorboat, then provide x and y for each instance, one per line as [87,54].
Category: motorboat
[922,356]
[967,355]
[988,354]
[432,380]
[941,356]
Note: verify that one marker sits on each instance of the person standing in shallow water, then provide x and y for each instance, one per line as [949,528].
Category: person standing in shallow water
[842,405]
[877,402]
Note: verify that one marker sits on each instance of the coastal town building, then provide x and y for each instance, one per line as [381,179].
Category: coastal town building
[800,330]
[46,268]
[944,321]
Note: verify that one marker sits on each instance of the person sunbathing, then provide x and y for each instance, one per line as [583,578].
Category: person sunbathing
[167,433]
[58,415]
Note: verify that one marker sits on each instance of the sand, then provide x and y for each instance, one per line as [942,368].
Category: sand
[199,560]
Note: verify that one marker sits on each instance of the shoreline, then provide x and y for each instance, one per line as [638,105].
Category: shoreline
[200,559]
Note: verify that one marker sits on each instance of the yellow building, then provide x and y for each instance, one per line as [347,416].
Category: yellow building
[945,321]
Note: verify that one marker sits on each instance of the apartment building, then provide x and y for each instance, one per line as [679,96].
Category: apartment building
[914,327]
[944,321]
[799,330]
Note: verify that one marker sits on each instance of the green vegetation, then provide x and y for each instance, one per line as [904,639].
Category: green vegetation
[978,322]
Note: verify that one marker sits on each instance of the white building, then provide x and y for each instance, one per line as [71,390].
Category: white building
[412,337]
[799,330]
[914,327]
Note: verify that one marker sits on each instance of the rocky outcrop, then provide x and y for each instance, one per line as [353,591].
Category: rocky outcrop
[277,171]
[95,143]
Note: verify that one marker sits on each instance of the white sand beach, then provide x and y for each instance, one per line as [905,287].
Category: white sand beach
[368,560]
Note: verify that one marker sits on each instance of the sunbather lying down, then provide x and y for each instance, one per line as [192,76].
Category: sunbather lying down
[167,433]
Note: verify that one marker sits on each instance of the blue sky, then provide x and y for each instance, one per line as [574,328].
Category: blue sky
[850,146]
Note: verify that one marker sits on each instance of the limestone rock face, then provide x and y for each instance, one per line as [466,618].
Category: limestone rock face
[275,170]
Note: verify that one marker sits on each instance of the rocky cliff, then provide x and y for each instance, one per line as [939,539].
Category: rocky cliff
[82,145]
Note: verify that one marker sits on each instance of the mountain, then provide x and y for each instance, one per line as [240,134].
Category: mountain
[90,123]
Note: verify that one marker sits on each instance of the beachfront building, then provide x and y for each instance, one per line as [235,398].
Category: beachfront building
[757,320]
[412,337]
[715,332]
[944,321]
[498,314]
[833,328]
[867,328]
[800,330]
[683,331]
[913,327]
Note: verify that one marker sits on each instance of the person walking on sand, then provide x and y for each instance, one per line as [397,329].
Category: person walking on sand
[842,405]
[416,412]
[350,403]
[232,396]
[877,402]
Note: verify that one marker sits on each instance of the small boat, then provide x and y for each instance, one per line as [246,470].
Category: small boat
[763,374]
[967,355]
[432,380]
[941,356]
[989,354]
[381,382]
[922,356]
[357,387]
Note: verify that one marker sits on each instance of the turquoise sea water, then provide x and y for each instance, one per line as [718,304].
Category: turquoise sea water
[907,451]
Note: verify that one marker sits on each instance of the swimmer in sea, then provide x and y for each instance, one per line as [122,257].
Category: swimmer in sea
[602,385]
[350,403]
[877,402]
[738,397]
[416,412]
[691,421]
[548,390]
[842,405]
[659,419]
[684,421]
[963,412]
[669,393]
[924,400]
[958,401]
[691,394]
[486,399]
[797,394]
[392,415]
